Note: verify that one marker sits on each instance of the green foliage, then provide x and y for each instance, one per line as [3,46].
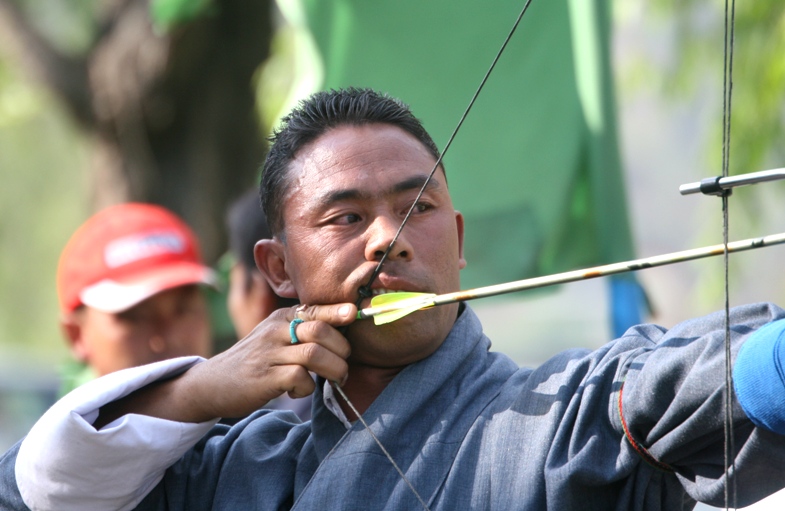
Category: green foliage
[291,72]
[273,80]
[68,24]
[167,14]
[17,101]
[43,165]
[693,67]
[685,65]
[758,114]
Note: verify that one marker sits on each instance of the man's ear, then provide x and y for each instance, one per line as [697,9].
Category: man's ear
[271,260]
[459,225]
[71,327]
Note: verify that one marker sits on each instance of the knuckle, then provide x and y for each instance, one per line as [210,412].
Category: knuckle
[319,329]
[343,368]
[310,351]
[282,314]
[304,386]
[289,374]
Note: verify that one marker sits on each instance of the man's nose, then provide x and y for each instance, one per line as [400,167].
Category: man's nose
[163,333]
[381,233]
[157,343]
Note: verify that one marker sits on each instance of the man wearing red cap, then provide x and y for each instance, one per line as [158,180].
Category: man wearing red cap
[128,284]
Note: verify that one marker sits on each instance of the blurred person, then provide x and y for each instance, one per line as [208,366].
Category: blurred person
[250,298]
[128,283]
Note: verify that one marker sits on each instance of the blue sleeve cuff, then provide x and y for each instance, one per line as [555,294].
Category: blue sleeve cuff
[759,377]
[628,304]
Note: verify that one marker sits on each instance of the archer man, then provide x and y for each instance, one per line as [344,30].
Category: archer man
[637,424]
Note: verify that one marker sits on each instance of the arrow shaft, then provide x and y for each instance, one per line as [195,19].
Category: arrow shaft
[584,274]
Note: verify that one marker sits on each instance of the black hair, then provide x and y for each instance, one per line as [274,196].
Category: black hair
[314,117]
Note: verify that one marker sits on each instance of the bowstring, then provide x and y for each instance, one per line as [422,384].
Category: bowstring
[365,291]
[381,446]
[727,93]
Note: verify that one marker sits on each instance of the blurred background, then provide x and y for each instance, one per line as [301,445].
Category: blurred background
[606,106]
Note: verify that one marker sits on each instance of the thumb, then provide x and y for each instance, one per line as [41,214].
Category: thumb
[338,314]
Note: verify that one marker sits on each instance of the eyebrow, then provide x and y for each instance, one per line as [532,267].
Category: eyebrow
[412,183]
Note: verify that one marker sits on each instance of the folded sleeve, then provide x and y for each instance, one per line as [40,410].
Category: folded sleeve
[671,403]
[64,463]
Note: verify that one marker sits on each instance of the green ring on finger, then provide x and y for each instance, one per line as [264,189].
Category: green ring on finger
[293,329]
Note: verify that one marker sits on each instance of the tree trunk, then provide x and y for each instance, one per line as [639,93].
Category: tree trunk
[172,115]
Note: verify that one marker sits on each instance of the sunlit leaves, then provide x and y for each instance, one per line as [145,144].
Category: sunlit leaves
[695,59]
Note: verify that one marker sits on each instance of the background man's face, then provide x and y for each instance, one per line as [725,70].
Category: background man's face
[350,190]
[249,299]
[169,324]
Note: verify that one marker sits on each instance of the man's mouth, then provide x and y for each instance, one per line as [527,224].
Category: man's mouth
[383,291]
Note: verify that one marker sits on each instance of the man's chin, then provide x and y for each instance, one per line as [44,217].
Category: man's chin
[395,344]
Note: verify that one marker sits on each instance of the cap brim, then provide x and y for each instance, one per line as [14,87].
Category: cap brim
[114,296]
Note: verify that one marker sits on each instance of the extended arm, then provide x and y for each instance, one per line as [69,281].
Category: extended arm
[107,444]
[673,403]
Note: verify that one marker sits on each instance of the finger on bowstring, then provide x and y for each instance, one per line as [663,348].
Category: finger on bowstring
[322,334]
[300,381]
[338,314]
[316,358]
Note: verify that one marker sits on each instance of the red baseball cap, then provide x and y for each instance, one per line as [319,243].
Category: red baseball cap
[125,254]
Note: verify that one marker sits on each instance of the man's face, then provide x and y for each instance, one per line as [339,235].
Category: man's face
[249,299]
[170,324]
[350,190]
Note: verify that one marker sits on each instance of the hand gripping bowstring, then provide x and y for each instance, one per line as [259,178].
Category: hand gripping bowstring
[365,291]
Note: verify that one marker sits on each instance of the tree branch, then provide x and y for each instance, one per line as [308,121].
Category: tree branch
[65,76]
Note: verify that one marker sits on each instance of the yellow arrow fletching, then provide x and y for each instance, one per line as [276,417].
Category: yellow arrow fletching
[394,298]
[389,317]
[391,307]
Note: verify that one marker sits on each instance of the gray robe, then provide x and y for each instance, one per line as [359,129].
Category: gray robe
[473,431]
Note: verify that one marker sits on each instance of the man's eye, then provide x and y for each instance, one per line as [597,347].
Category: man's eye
[135,317]
[186,308]
[349,218]
[421,207]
